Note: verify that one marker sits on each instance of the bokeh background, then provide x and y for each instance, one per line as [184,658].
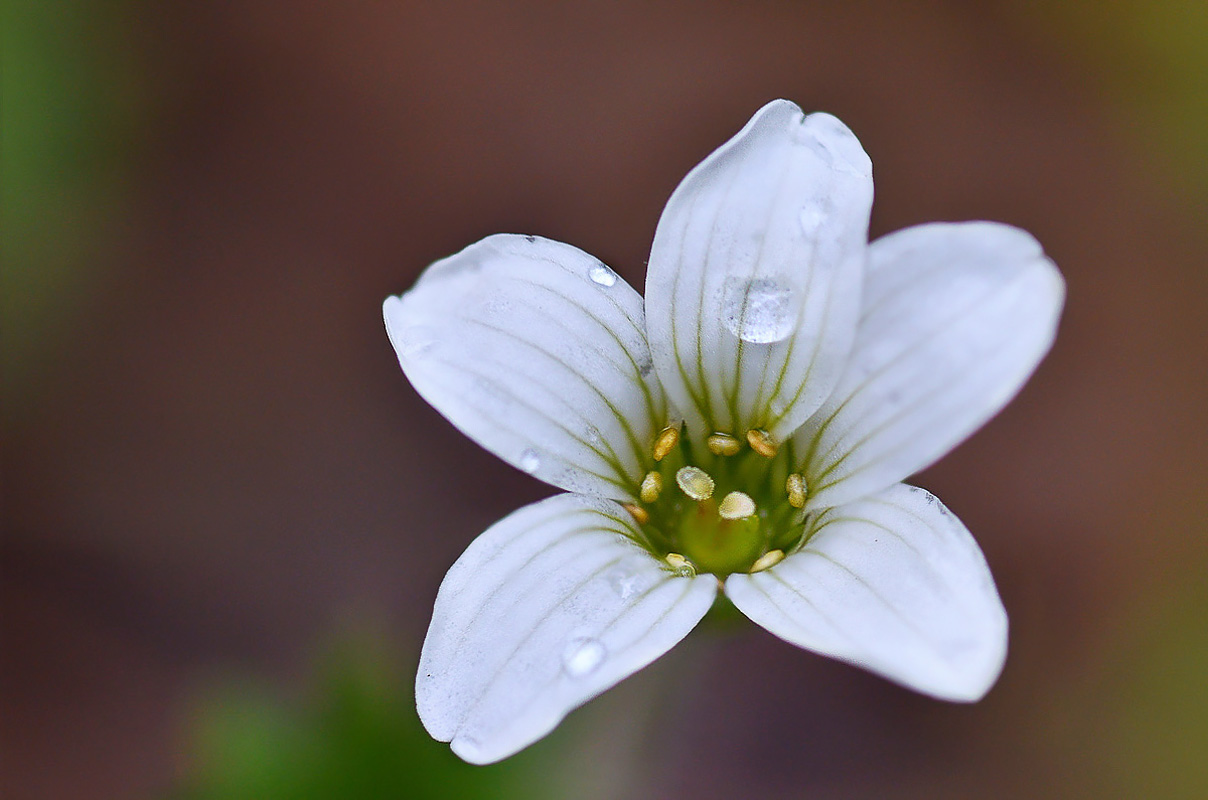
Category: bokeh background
[226,514]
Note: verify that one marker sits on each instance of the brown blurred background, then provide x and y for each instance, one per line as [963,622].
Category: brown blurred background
[215,474]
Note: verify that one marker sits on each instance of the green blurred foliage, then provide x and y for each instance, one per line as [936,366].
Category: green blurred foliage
[358,737]
[1156,732]
[1150,59]
[73,105]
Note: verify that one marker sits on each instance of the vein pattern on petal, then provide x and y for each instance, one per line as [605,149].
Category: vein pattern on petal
[546,609]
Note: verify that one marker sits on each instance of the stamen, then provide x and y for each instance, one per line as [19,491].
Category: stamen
[640,514]
[723,444]
[795,486]
[652,484]
[762,443]
[680,564]
[736,505]
[695,482]
[666,440]
[769,559]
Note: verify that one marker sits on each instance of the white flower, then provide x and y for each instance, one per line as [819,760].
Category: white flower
[745,432]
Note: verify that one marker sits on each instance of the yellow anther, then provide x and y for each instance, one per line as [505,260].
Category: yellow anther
[680,564]
[640,514]
[762,443]
[652,484]
[769,559]
[795,486]
[723,444]
[736,505]
[667,439]
[695,482]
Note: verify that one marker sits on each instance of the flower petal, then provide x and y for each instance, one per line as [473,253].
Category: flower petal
[893,583]
[537,351]
[549,607]
[956,317]
[752,293]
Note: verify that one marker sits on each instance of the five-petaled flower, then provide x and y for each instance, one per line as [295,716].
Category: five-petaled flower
[745,432]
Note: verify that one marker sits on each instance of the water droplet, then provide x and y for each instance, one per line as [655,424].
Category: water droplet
[602,275]
[758,310]
[583,656]
[812,217]
[530,462]
[623,582]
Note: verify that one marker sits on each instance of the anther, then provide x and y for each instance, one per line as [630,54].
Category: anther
[652,484]
[680,564]
[736,505]
[666,440]
[723,444]
[769,559]
[762,443]
[795,486]
[695,482]
[637,512]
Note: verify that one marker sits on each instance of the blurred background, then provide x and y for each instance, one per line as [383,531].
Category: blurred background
[226,513]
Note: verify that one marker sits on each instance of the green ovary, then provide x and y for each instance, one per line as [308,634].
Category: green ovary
[717,545]
[692,518]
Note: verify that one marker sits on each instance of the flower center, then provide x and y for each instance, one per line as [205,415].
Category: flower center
[722,505]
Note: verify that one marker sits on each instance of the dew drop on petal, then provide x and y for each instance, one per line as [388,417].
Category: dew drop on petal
[583,656]
[530,462]
[602,275]
[812,217]
[758,309]
[623,582]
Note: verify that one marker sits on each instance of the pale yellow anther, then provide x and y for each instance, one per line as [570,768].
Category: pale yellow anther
[680,564]
[722,444]
[795,486]
[652,484]
[769,559]
[762,443]
[666,440]
[736,505]
[695,482]
[637,512]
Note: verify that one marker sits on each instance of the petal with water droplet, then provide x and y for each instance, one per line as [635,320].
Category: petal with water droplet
[546,609]
[893,583]
[752,293]
[526,346]
[957,316]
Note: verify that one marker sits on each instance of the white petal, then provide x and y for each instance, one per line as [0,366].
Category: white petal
[893,583]
[752,293]
[537,351]
[546,609]
[956,317]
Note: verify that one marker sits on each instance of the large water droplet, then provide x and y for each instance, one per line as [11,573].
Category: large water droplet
[530,462]
[602,275]
[758,309]
[583,656]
